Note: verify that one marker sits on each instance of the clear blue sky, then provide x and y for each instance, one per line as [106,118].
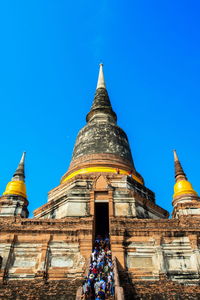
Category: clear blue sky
[49,56]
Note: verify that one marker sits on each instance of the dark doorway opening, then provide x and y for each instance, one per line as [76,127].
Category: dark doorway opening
[101,219]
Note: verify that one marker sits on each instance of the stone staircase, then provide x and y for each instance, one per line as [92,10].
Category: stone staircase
[119,291]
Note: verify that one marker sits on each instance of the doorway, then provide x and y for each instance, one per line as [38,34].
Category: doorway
[101,219]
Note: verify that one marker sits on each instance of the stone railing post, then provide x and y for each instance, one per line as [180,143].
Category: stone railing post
[119,291]
[79,290]
[79,293]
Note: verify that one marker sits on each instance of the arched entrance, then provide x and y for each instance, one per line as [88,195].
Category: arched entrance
[101,219]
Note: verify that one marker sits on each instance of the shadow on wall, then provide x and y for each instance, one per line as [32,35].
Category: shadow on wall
[126,283]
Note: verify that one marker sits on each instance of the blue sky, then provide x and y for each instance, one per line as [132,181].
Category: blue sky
[49,56]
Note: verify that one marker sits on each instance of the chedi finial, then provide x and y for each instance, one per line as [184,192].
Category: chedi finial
[101,81]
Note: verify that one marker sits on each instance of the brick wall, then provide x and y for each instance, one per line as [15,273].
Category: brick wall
[39,290]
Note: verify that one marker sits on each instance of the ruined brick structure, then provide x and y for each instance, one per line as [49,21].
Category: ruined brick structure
[47,256]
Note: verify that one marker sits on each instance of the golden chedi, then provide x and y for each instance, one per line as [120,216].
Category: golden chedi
[182,185]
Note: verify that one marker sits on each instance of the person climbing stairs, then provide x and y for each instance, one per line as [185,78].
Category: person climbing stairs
[99,283]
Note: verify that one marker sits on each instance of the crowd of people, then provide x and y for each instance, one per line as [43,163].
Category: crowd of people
[99,284]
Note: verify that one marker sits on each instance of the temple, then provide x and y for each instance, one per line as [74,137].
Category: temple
[101,194]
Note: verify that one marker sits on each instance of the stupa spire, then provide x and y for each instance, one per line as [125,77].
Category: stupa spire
[101,106]
[19,173]
[179,173]
[101,80]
